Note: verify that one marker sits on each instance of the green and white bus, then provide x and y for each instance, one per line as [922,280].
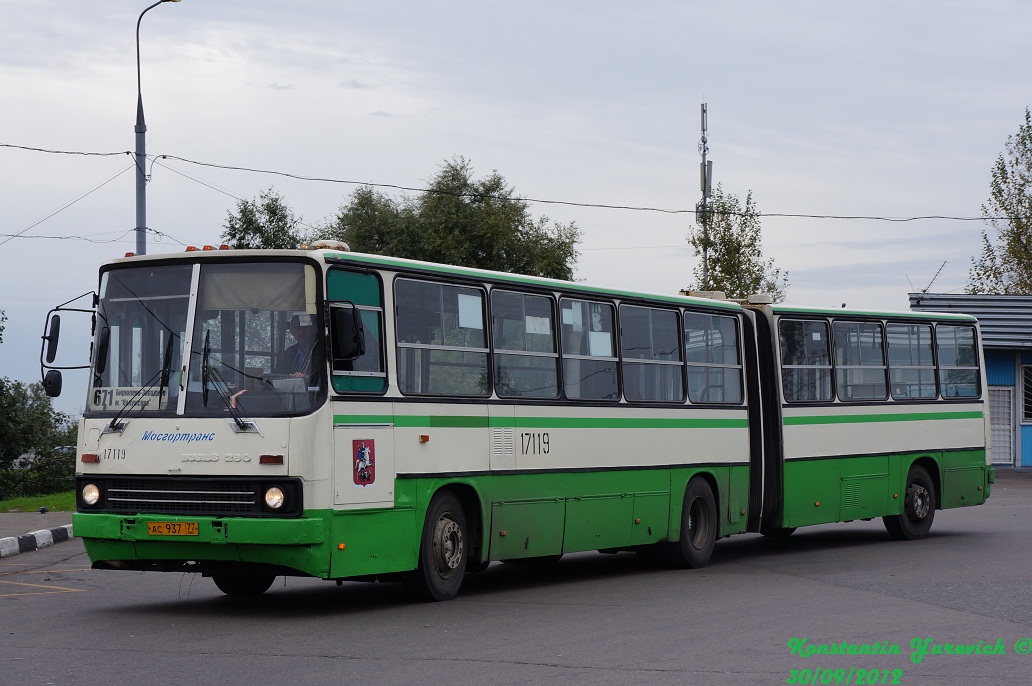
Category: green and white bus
[325,413]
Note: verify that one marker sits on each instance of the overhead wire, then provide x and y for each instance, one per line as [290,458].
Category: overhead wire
[547,201]
[66,206]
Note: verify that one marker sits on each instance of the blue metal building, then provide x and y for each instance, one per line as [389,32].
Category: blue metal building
[1006,323]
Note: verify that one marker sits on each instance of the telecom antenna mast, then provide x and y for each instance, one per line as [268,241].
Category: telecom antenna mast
[706,184]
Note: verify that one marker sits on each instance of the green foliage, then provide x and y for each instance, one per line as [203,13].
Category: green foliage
[63,501]
[3,318]
[34,457]
[459,220]
[729,245]
[27,420]
[36,453]
[264,223]
[1005,265]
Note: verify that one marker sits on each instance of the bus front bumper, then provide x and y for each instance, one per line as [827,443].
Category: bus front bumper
[199,530]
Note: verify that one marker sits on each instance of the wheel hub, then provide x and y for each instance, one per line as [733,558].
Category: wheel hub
[447,545]
[920,502]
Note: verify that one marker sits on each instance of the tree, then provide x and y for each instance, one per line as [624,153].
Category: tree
[28,421]
[729,245]
[32,434]
[265,222]
[1005,266]
[459,220]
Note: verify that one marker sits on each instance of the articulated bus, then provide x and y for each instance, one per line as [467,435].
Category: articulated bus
[331,414]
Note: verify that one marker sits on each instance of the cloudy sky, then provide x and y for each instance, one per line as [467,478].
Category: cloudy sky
[889,109]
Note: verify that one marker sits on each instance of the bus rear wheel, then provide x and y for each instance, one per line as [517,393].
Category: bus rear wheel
[918,508]
[443,554]
[698,528]
[243,585]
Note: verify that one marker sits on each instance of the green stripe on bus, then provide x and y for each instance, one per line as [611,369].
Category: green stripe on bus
[483,421]
[874,418]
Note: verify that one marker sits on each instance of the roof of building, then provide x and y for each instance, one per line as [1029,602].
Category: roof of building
[1005,320]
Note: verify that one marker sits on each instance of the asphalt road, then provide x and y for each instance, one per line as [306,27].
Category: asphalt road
[591,619]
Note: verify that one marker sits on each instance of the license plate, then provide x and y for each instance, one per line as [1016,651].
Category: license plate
[172,528]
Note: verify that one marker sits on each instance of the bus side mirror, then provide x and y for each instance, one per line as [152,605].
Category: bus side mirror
[103,345]
[52,383]
[348,333]
[52,337]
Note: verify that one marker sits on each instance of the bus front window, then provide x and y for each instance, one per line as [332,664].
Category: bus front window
[141,326]
[257,341]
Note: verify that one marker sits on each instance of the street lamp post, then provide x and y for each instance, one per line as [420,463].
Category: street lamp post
[141,148]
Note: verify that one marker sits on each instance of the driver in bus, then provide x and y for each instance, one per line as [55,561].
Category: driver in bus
[296,360]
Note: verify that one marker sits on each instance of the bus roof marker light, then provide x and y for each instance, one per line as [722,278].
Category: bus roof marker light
[424,438]
[341,546]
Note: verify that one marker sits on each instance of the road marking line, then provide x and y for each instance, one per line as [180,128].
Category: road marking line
[49,589]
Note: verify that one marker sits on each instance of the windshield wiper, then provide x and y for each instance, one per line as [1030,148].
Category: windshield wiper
[161,378]
[204,368]
[166,370]
[208,373]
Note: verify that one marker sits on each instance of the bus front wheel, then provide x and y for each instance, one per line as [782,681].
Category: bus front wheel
[443,554]
[918,508]
[698,528]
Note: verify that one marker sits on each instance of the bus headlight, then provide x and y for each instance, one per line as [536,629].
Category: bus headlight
[91,494]
[274,498]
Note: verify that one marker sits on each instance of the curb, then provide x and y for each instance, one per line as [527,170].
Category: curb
[34,540]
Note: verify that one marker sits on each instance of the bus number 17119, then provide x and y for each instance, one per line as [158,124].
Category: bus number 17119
[534,443]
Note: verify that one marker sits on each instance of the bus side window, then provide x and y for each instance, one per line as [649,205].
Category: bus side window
[859,361]
[442,339]
[651,350]
[589,353]
[958,361]
[714,359]
[352,372]
[805,360]
[911,365]
[526,362]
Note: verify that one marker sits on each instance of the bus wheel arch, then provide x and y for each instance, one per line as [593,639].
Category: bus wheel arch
[700,525]
[932,467]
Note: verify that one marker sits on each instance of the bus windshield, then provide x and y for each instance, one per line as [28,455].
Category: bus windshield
[249,343]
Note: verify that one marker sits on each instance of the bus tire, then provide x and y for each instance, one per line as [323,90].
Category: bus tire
[443,554]
[698,528]
[243,585]
[918,508]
